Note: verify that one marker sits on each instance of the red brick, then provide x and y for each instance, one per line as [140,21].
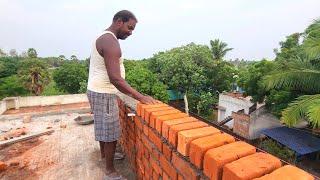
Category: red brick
[148,111]
[141,107]
[155,166]
[249,167]
[146,142]
[287,172]
[146,130]
[140,166]
[155,154]
[138,122]
[155,139]
[167,152]
[167,124]
[155,175]
[155,115]
[168,168]
[185,137]
[216,158]
[200,146]
[180,177]
[165,176]
[184,168]
[175,129]
[161,119]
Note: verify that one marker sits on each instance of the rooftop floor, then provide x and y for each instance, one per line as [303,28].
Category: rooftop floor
[68,153]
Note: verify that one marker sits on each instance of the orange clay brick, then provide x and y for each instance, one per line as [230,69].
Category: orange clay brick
[141,107]
[157,114]
[287,172]
[216,158]
[161,119]
[200,146]
[168,168]
[249,167]
[175,129]
[185,137]
[167,124]
[147,111]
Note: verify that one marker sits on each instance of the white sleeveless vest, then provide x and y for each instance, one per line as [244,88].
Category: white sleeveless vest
[98,77]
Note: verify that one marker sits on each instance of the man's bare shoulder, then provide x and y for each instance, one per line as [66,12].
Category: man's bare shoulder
[107,42]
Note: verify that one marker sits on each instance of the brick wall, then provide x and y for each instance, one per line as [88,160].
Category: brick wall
[164,143]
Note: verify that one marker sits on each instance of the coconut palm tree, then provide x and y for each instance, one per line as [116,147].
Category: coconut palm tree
[303,75]
[219,49]
[34,75]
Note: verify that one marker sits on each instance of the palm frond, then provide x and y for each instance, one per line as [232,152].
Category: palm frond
[305,107]
[298,79]
[313,113]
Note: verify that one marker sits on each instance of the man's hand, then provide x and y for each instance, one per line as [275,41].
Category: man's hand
[148,100]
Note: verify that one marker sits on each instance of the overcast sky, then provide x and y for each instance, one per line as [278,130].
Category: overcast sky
[253,28]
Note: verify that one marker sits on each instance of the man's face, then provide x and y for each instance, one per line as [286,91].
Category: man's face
[126,29]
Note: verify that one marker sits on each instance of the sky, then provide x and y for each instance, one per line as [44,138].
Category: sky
[66,27]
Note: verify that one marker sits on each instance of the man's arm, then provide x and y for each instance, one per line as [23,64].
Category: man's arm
[109,48]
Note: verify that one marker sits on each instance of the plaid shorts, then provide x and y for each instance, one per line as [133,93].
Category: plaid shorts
[106,116]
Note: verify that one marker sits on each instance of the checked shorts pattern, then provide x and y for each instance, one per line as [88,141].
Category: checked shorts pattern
[106,116]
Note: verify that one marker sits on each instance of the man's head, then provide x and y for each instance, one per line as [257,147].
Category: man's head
[124,22]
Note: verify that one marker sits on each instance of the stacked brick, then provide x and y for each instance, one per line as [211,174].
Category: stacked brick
[162,142]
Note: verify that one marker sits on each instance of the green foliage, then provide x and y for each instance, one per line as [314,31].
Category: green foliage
[205,105]
[219,49]
[74,58]
[278,150]
[32,53]
[220,76]
[69,76]
[305,107]
[52,90]
[11,86]
[251,79]
[147,83]
[34,75]
[290,48]
[9,66]
[311,41]
[278,100]
[83,86]
[182,68]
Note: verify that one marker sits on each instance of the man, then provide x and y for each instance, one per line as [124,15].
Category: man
[106,78]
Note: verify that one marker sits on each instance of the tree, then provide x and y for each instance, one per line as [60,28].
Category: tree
[301,75]
[8,66]
[69,76]
[32,53]
[289,49]
[251,79]
[11,86]
[34,75]
[147,83]
[219,49]
[74,58]
[62,57]
[13,53]
[182,68]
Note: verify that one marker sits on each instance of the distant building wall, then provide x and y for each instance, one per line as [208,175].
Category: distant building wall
[250,126]
[3,107]
[232,104]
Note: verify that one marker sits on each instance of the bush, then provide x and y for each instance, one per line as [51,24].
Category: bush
[278,150]
[69,76]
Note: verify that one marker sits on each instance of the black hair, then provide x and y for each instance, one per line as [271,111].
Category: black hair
[124,15]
